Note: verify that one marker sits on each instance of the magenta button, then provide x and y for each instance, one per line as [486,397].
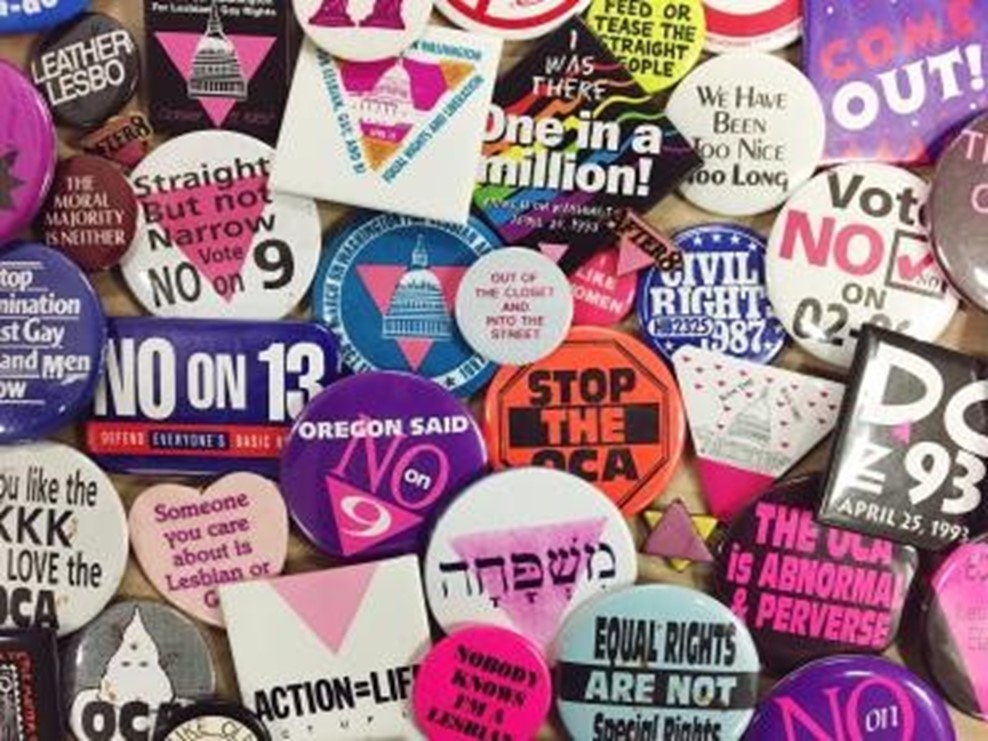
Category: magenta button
[27,152]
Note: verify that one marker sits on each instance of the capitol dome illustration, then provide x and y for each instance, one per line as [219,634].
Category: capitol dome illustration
[386,112]
[754,423]
[417,309]
[216,68]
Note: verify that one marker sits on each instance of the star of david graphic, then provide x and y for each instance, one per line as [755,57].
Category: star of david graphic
[8,181]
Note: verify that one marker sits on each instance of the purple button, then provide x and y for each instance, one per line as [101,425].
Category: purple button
[372,459]
[27,151]
[851,697]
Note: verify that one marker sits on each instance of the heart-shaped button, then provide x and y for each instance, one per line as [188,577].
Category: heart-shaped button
[188,542]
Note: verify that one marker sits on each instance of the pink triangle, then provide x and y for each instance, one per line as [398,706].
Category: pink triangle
[553,250]
[181,49]
[414,352]
[675,537]
[380,282]
[903,433]
[728,489]
[356,541]
[537,613]
[328,607]
[216,260]
[632,258]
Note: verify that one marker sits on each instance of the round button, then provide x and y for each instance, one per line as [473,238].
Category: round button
[363,31]
[511,20]
[87,70]
[757,123]
[656,661]
[602,407]
[850,248]
[27,151]
[216,242]
[51,340]
[765,25]
[852,697]
[91,213]
[487,682]
[958,204]
[387,287]
[855,584]
[715,298]
[522,549]
[373,458]
[131,669]
[956,651]
[222,721]
[65,541]
[514,306]
[601,297]
[658,41]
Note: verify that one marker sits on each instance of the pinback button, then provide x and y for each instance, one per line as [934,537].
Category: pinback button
[29,17]
[91,213]
[514,306]
[601,297]
[52,342]
[766,25]
[522,549]
[387,288]
[955,649]
[224,721]
[761,136]
[639,33]
[373,458]
[363,31]
[750,423]
[131,669]
[692,662]
[339,646]
[602,406]
[920,405]
[851,247]
[714,298]
[851,697]
[510,20]
[191,396]
[124,139]
[65,559]
[455,676]
[957,210]
[87,70]
[189,541]
[215,242]
[859,582]
[29,685]
[27,151]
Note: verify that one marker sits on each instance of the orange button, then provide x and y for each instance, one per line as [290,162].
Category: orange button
[603,406]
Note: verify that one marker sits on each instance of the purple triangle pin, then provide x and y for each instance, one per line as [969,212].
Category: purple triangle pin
[675,537]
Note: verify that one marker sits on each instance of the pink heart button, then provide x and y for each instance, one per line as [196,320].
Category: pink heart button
[189,542]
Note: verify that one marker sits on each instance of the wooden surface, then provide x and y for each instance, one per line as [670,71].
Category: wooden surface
[968,332]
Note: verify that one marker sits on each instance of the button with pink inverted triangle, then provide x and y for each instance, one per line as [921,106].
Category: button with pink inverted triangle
[214,242]
[373,458]
[750,423]
[522,549]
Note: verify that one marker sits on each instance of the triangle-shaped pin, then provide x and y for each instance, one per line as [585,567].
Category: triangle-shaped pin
[678,536]
[750,423]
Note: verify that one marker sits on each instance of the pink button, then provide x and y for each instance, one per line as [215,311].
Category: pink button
[600,297]
[451,706]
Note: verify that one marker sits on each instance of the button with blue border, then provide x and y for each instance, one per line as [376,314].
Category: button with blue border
[714,299]
[387,287]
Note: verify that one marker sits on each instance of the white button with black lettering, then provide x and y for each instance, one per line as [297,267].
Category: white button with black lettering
[215,242]
[523,548]
[759,126]
[852,247]
[63,538]
[514,306]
